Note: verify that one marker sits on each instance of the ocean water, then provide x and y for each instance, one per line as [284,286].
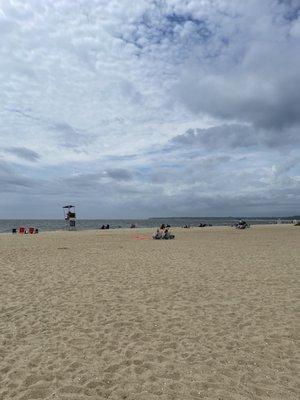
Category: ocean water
[6,225]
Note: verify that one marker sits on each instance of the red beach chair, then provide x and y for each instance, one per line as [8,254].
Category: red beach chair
[21,229]
[31,231]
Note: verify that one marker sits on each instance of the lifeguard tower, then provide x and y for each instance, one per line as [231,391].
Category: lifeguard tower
[70,217]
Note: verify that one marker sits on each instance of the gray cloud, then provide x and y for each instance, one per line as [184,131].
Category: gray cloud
[10,181]
[71,137]
[249,78]
[110,93]
[108,181]
[228,136]
[251,93]
[193,171]
[204,186]
[119,174]
[232,136]
[24,153]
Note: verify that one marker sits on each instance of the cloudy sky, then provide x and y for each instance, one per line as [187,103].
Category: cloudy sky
[149,107]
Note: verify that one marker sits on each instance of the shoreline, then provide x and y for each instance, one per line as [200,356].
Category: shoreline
[113,229]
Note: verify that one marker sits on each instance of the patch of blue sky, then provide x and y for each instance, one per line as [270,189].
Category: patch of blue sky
[180,32]
[292,9]
[200,24]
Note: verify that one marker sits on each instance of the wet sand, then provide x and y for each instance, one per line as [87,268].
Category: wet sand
[104,315]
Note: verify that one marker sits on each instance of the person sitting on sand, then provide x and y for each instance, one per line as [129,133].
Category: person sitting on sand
[242,224]
[163,234]
[157,235]
[167,235]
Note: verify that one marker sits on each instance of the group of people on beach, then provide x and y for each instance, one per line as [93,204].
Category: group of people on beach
[163,233]
[25,231]
[242,224]
[105,226]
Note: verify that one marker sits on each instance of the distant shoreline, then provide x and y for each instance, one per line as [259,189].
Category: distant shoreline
[140,228]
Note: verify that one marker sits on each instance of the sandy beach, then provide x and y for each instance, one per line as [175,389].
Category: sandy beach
[116,315]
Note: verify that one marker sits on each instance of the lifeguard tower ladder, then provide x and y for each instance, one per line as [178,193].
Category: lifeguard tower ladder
[70,217]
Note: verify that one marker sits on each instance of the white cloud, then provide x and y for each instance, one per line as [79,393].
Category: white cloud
[98,89]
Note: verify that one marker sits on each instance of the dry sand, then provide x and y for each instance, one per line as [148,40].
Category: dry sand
[101,315]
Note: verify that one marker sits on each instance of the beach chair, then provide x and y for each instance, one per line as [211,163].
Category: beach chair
[31,230]
[21,230]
